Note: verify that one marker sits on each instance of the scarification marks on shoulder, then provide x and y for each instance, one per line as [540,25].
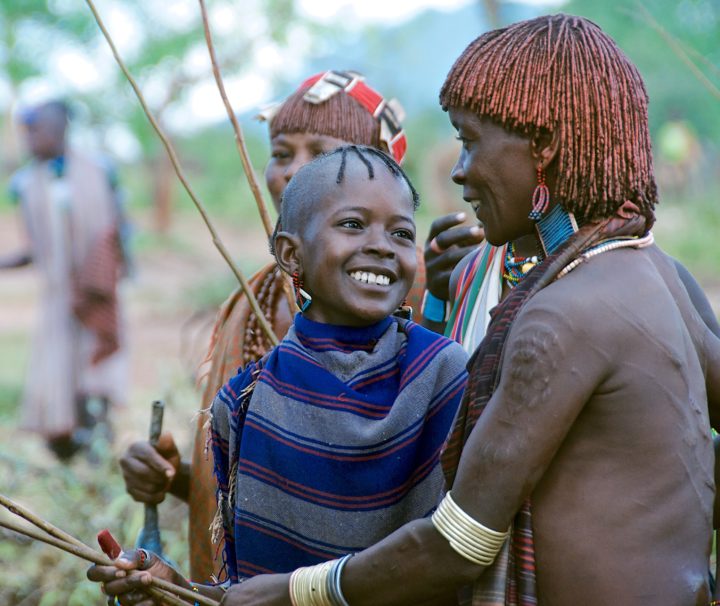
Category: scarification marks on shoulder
[530,366]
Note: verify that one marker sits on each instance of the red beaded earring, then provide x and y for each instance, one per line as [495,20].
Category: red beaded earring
[541,197]
[302,298]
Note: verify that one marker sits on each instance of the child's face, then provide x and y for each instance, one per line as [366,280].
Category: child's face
[359,258]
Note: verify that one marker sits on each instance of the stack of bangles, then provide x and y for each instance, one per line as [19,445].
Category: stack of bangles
[318,585]
[434,309]
[467,536]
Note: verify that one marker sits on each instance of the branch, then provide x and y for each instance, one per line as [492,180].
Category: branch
[239,138]
[28,515]
[161,587]
[240,142]
[181,175]
[678,50]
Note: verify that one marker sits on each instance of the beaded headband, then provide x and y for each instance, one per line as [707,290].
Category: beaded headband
[388,112]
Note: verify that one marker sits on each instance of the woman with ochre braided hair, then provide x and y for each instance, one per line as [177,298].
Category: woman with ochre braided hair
[580,469]
[326,111]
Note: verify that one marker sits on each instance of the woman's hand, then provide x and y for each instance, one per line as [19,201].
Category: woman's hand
[447,243]
[262,590]
[148,471]
[131,575]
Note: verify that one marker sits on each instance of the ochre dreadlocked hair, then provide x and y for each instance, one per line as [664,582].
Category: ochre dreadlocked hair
[340,116]
[563,72]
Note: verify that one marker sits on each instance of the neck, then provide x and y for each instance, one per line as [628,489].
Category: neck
[527,246]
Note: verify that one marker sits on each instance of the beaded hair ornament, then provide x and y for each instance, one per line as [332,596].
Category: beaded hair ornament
[389,113]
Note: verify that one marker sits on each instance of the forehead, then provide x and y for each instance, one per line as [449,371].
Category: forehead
[467,122]
[461,117]
[384,191]
[301,139]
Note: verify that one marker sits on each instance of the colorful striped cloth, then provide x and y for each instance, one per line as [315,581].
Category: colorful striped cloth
[332,441]
[478,290]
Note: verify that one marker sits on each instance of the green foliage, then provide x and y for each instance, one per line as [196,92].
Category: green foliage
[687,229]
[31,29]
[13,356]
[675,92]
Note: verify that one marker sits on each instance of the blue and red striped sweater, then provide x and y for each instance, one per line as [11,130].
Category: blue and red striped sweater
[332,441]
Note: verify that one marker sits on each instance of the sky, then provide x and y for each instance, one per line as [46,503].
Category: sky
[372,11]
[387,11]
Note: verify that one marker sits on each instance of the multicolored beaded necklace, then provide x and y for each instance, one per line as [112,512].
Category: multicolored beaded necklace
[553,229]
[516,268]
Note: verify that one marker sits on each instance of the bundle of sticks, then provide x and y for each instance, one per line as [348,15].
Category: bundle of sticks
[165,591]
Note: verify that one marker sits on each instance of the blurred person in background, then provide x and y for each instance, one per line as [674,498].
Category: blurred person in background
[74,230]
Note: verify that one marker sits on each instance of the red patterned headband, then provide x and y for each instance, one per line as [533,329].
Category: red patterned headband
[389,112]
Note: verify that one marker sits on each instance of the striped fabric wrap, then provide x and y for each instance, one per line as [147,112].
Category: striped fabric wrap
[478,290]
[332,441]
[510,580]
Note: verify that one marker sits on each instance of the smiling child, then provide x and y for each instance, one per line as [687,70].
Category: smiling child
[332,440]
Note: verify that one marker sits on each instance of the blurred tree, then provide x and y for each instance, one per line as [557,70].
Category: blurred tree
[164,48]
[491,10]
[29,32]
[675,91]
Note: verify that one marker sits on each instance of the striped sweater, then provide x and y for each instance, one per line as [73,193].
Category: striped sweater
[332,441]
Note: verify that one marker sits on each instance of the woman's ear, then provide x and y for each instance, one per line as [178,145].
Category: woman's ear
[545,147]
[288,252]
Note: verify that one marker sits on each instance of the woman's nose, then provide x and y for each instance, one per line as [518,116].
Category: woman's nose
[457,174]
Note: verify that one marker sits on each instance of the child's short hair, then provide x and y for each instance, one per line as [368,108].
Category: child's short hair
[301,187]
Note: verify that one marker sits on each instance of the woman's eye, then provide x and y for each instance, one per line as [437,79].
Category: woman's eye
[351,224]
[280,154]
[319,151]
[406,234]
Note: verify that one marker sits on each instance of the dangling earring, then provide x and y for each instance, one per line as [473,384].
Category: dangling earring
[541,197]
[302,298]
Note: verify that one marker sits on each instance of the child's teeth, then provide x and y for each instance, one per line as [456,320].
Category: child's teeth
[370,278]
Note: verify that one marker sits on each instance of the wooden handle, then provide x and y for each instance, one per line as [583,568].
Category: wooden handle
[156,420]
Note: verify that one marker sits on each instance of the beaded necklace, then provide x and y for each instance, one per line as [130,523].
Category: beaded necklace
[606,245]
[553,230]
[516,268]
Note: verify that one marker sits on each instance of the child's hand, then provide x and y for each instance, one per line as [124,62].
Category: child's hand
[447,243]
[129,578]
[148,471]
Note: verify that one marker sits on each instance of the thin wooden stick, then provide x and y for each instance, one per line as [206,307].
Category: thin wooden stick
[83,552]
[78,548]
[241,147]
[86,554]
[28,515]
[678,50]
[181,175]
[166,597]
[239,138]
